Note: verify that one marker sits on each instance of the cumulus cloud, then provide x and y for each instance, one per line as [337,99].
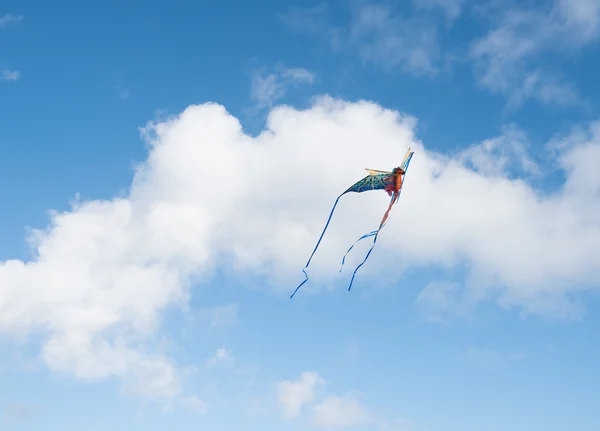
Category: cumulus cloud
[104,271]
[380,35]
[509,57]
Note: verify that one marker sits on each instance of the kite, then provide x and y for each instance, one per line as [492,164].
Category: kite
[392,183]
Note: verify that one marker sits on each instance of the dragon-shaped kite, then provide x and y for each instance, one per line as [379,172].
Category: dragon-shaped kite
[392,183]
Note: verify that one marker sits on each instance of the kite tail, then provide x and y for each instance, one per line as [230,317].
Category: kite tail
[352,246]
[363,262]
[317,246]
[370,234]
[375,234]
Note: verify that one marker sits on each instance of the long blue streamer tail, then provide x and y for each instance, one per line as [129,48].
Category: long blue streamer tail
[352,246]
[367,235]
[374,234]
[363,262]
[317,246]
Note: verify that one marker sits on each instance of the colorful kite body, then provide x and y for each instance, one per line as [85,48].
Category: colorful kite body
[392,183]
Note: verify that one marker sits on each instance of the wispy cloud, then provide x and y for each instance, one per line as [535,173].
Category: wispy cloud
[268,87]
[122,92]
[378,34]
[9,19]
[299,74]
[509,58]
[312,20]
[388,39]
[10,75]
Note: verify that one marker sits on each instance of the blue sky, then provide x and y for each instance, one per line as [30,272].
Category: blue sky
[168,168]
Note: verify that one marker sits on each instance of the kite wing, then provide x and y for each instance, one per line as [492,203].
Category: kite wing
[371,182]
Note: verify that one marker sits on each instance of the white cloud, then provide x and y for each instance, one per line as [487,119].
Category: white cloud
[293,395]
[105,270]
[9,75]
[340,412]
[377,33]
[8,19]
[94,302]
[267,88]
[508,57]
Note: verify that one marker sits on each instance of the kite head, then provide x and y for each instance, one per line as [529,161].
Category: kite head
[398,171]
